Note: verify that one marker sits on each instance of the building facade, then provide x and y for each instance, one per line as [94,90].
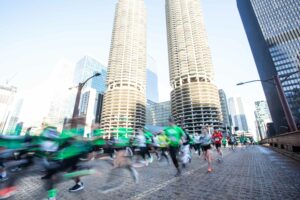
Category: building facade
[7,96]
[237,113]
[61,100]
[152,86]
[87,67]
[194,97]
[157,114]
[90,106]
[125,98]
[273,31]
[224,108]
[263,117]
[13,117]
[152,80]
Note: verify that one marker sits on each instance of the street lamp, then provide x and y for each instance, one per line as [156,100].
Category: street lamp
[284,103]
[79,88]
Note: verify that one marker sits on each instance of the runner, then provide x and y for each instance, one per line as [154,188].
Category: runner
[217,138]
[66,158]
[197,145]
[174,134]
[205,139]
[224,142]
[156,146]
[232,142]
[185,149]
[163,145]
[243,141]
[149,142]
[140,142]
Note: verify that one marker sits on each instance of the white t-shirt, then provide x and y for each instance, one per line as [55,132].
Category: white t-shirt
[197,139]
[140,140]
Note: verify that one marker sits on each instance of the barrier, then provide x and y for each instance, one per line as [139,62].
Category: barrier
[288,141]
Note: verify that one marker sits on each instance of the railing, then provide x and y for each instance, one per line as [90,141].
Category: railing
[288,141]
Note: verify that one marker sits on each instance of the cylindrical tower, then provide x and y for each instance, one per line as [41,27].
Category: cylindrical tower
[125,98]
[194,97]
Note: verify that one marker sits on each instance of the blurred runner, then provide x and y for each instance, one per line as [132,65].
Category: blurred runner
[217,138]
[163,145]
[174,134]
[232,142]
[149,141]
[206,141]
[224,142]
[197,145]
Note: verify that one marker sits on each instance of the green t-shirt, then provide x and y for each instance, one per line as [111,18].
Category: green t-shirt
[224,141]
[148,136]
[174,134]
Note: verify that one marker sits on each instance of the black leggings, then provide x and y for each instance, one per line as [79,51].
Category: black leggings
[143,151]
[197,148]
[69,165]
[173,153]
[163,153]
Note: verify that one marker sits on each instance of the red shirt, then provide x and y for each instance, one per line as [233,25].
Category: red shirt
[217,137]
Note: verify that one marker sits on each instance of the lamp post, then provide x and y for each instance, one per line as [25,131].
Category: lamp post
[284,103]
[77,101]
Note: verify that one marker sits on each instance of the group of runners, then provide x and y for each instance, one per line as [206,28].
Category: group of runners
[67,155]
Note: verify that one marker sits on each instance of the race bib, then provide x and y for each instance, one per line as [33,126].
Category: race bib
[217,139]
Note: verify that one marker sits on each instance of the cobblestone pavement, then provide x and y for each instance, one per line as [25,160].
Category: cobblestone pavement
[253,173]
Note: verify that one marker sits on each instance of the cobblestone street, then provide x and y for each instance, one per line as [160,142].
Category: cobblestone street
[253,173]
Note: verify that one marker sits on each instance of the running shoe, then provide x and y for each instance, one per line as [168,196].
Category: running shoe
[209,170]
[178,173]
[16,169]
[7,192]
[77,187]
[150,159]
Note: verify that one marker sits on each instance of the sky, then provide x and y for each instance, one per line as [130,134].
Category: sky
[35,36]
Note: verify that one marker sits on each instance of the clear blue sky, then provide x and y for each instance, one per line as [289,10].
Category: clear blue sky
[35,35]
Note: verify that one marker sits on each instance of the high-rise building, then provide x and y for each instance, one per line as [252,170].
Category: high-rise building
[237,113]
[61,103]
[157,114]
[194,97]
[90,105]
[87,67]
[152,86]
[7,96]
[13,117]
[152,80]
[224,109]
[125,98]
[272,28]
[262,115]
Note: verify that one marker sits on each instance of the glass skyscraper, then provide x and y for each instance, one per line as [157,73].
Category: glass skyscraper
[237,113]
[224,108]
[7,96]
[273,31]
[90,106]
[262,115]
[158,113]
[152,86]
[87,67]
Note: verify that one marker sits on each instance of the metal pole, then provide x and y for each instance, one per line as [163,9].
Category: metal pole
[76,106]
[287,111]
